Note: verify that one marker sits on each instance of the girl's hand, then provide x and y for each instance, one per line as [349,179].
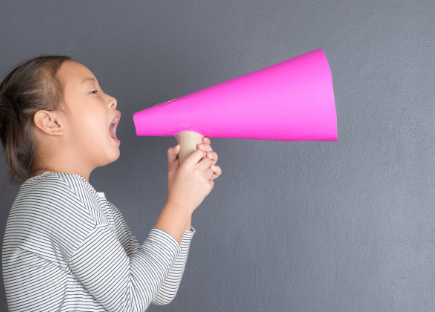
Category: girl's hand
[173,162]
[190,182]
[210,154]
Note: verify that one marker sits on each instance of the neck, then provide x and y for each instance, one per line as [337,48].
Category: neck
[66,170]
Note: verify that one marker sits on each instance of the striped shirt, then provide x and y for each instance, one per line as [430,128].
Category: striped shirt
[67,248]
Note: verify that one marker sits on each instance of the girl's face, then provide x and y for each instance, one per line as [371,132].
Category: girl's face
[89,127]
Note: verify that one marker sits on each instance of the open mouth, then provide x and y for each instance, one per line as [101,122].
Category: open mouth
[113,126]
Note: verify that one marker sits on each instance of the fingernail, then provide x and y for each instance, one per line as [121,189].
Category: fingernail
[201,146]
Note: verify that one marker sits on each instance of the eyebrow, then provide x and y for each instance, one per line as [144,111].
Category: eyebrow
[90,78]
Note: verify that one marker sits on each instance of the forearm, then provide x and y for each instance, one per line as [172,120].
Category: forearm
[169,289]
[174,220]
[189,223]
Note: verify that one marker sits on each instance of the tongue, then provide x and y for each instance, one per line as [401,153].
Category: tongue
[112,132]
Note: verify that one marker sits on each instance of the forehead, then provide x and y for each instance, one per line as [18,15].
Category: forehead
[71,73]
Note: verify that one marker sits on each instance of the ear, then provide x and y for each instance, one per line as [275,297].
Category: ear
[48,122]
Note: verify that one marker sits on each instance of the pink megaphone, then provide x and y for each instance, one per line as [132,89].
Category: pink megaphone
[289,101]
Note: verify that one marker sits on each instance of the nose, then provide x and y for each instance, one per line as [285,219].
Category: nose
[112,102]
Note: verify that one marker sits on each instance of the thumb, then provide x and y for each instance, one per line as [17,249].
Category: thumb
[173,158]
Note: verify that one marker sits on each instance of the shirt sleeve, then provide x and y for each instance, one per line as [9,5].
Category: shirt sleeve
[119,282]
[169,288]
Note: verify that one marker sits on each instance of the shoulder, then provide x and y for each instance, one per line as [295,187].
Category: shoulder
[114,209]
[119,218]
[55,182]
[61,194]
[56,210]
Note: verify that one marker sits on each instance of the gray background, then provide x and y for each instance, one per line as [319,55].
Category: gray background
[289,226]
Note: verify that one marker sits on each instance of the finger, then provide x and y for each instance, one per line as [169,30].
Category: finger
[210,155]
[172,156]
[214,157]
[209,173]
[204,147]
[195,157]
[208,149]
[217,171]
[206,140]
[211,184]
[175,165]
[205,163]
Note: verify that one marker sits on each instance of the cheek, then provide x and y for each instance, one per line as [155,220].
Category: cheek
[90,130]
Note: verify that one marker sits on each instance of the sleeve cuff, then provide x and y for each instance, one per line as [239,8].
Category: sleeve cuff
[187,238]
[163,237]
[188,233]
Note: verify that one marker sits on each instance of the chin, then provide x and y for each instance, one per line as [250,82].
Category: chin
[113,154]
[117,154]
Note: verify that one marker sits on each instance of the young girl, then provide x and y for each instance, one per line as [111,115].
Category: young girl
[67,248]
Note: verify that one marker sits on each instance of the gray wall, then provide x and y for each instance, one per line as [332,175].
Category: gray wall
[289,226]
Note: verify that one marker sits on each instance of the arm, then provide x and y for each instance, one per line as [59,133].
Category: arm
[189,224]
[119,282]
[169,288]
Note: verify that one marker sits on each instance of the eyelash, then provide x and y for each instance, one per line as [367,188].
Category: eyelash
[94,91]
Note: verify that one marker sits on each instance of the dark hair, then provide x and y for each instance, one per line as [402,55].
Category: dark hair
[30,87]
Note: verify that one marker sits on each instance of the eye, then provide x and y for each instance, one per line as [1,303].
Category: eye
[94,91]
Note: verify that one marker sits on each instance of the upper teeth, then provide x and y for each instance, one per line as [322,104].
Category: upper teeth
[114,120]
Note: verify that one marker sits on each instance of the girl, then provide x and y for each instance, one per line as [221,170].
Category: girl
[67,248]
